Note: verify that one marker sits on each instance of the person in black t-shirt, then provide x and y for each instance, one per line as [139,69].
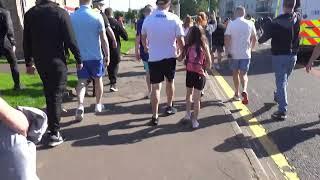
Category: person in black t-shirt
[8,44]
[284,32]
[115,56]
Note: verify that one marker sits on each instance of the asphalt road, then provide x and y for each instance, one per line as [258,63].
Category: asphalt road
[297,137]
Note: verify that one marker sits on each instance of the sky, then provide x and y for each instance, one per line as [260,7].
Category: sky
[123,5]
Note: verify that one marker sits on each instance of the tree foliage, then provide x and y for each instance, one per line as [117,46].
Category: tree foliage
[192,7]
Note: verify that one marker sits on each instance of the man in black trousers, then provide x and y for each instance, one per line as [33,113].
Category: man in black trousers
[47,33]
[115,54]
[8,44]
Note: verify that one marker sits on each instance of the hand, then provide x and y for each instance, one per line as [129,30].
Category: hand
[14,49]
[114,44]
[79,66]
[22,124]
[107,60]
[138,56]
[309,67]
[31,70]
[146,50]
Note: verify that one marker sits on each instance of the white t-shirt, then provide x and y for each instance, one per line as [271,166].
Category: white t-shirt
[162,28]
[241,31]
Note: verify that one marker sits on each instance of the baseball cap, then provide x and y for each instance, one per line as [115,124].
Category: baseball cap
[162,2]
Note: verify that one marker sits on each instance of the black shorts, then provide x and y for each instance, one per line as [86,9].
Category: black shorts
[195,80]
[160,69]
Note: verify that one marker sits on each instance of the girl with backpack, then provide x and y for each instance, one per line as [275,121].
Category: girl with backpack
[197,58]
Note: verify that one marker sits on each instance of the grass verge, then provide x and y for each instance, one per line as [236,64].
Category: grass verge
[32,95]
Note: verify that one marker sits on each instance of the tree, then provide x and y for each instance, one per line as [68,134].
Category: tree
[192,7]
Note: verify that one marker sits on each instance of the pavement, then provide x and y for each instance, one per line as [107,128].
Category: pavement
[118,144]
[297,138]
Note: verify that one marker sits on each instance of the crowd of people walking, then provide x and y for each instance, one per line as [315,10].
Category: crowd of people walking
[94,38]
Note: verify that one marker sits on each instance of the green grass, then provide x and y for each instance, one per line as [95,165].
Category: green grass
[128,45]
[32,95]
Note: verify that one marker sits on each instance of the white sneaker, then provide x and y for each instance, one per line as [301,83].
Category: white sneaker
[236,98]
[195,124]
[80,113]
[187,117]
[99,108]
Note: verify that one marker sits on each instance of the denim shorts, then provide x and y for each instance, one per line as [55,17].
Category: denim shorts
[91,69]
[146,66]
[240,64]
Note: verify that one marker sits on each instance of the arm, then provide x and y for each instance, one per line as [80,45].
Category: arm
[105,46]
[208,57]
[253,37]
[227,40]
[137,47]
[70,39]
[123,33]
[13,118]
[267,33]
[180,35]
[109,30]
[315,55]
[112,36]
[181,43]
[227,43]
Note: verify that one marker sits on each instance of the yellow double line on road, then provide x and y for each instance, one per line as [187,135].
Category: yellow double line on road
[259,132]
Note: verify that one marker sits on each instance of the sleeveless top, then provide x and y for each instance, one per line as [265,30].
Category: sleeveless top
[194,63]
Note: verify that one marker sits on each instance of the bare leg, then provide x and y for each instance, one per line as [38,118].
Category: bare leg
[244,80]
[236,81]
[99,89]
[189,101]
[148,82]
[155,99]
[170,92]
[81,91]
[196,103]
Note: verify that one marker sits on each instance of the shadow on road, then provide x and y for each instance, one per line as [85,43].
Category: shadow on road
[290,135]
[95,135]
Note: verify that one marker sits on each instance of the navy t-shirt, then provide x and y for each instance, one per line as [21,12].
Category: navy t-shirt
[144,56]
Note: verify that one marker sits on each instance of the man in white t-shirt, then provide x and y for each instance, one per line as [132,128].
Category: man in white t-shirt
[162,29]
[240,39]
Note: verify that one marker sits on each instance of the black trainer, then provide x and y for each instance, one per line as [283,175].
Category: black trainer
[281,116]
[171,110]
[55,139]
[154,121]
[18,87]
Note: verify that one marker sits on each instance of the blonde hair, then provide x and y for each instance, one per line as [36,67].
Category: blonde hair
[202,19]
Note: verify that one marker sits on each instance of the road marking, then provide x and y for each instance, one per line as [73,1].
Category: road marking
[259,132]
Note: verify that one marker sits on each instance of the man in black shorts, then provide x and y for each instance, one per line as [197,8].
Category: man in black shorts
[162,29]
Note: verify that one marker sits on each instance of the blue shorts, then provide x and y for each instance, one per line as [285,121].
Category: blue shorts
[146,66]
[240,64]
[91,69]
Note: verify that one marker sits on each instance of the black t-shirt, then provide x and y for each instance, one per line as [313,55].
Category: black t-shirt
[218,35]
[284,32]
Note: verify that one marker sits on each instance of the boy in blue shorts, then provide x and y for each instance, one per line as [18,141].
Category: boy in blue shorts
[91,36]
